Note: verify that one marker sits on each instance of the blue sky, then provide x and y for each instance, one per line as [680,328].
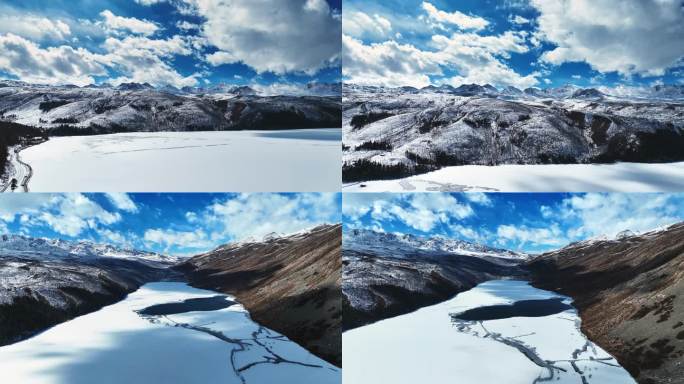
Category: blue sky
[178,224]
[543,43]
[518,221]
[178,42]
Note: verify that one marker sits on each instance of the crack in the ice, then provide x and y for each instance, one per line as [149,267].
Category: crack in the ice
[579,372]
[165,148]
[274,358]
[241,344]
[549,366]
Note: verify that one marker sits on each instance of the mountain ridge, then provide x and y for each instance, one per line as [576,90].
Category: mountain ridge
[40,248]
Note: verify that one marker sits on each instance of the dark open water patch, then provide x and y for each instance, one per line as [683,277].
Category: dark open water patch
[523,308]
[328,135]
[213,303]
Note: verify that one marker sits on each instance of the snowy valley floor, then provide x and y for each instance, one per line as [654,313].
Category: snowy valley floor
[118,345]
[426,346]
[619,177]
[239,161]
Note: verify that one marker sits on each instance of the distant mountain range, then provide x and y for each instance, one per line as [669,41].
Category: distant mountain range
[401,245]
[133,107]
[57,249]
[309,89]
[568,91]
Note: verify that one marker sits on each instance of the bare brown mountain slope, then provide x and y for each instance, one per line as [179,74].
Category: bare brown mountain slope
[290,284]
[630,296]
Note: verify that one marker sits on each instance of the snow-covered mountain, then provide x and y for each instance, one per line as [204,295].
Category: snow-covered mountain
[141,107]
[57,249]
[406,245]
[389,133]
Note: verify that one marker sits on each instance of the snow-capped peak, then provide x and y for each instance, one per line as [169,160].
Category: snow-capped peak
[400,245]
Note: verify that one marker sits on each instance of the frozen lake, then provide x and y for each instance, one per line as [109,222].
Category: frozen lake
[163,333]
[512,333]
[619,177]
[236,161]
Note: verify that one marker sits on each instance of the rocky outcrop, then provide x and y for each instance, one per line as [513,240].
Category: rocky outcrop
[630,296]
[290,284]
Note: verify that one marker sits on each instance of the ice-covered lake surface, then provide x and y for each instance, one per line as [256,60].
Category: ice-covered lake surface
[117,344]
[618,177]
[432,346]
[239,161]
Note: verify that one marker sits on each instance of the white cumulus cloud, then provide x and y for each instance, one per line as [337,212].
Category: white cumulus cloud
[630,37]
[281,37]
[358,24]
[457,18]
[122,201]
[64,64]
[257,214]
[475,58]
[34,27]
[131,24]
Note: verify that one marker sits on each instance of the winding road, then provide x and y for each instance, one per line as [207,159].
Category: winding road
[19,172]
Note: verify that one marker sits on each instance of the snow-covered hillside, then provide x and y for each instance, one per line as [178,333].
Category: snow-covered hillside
[395,132]
[68,110]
